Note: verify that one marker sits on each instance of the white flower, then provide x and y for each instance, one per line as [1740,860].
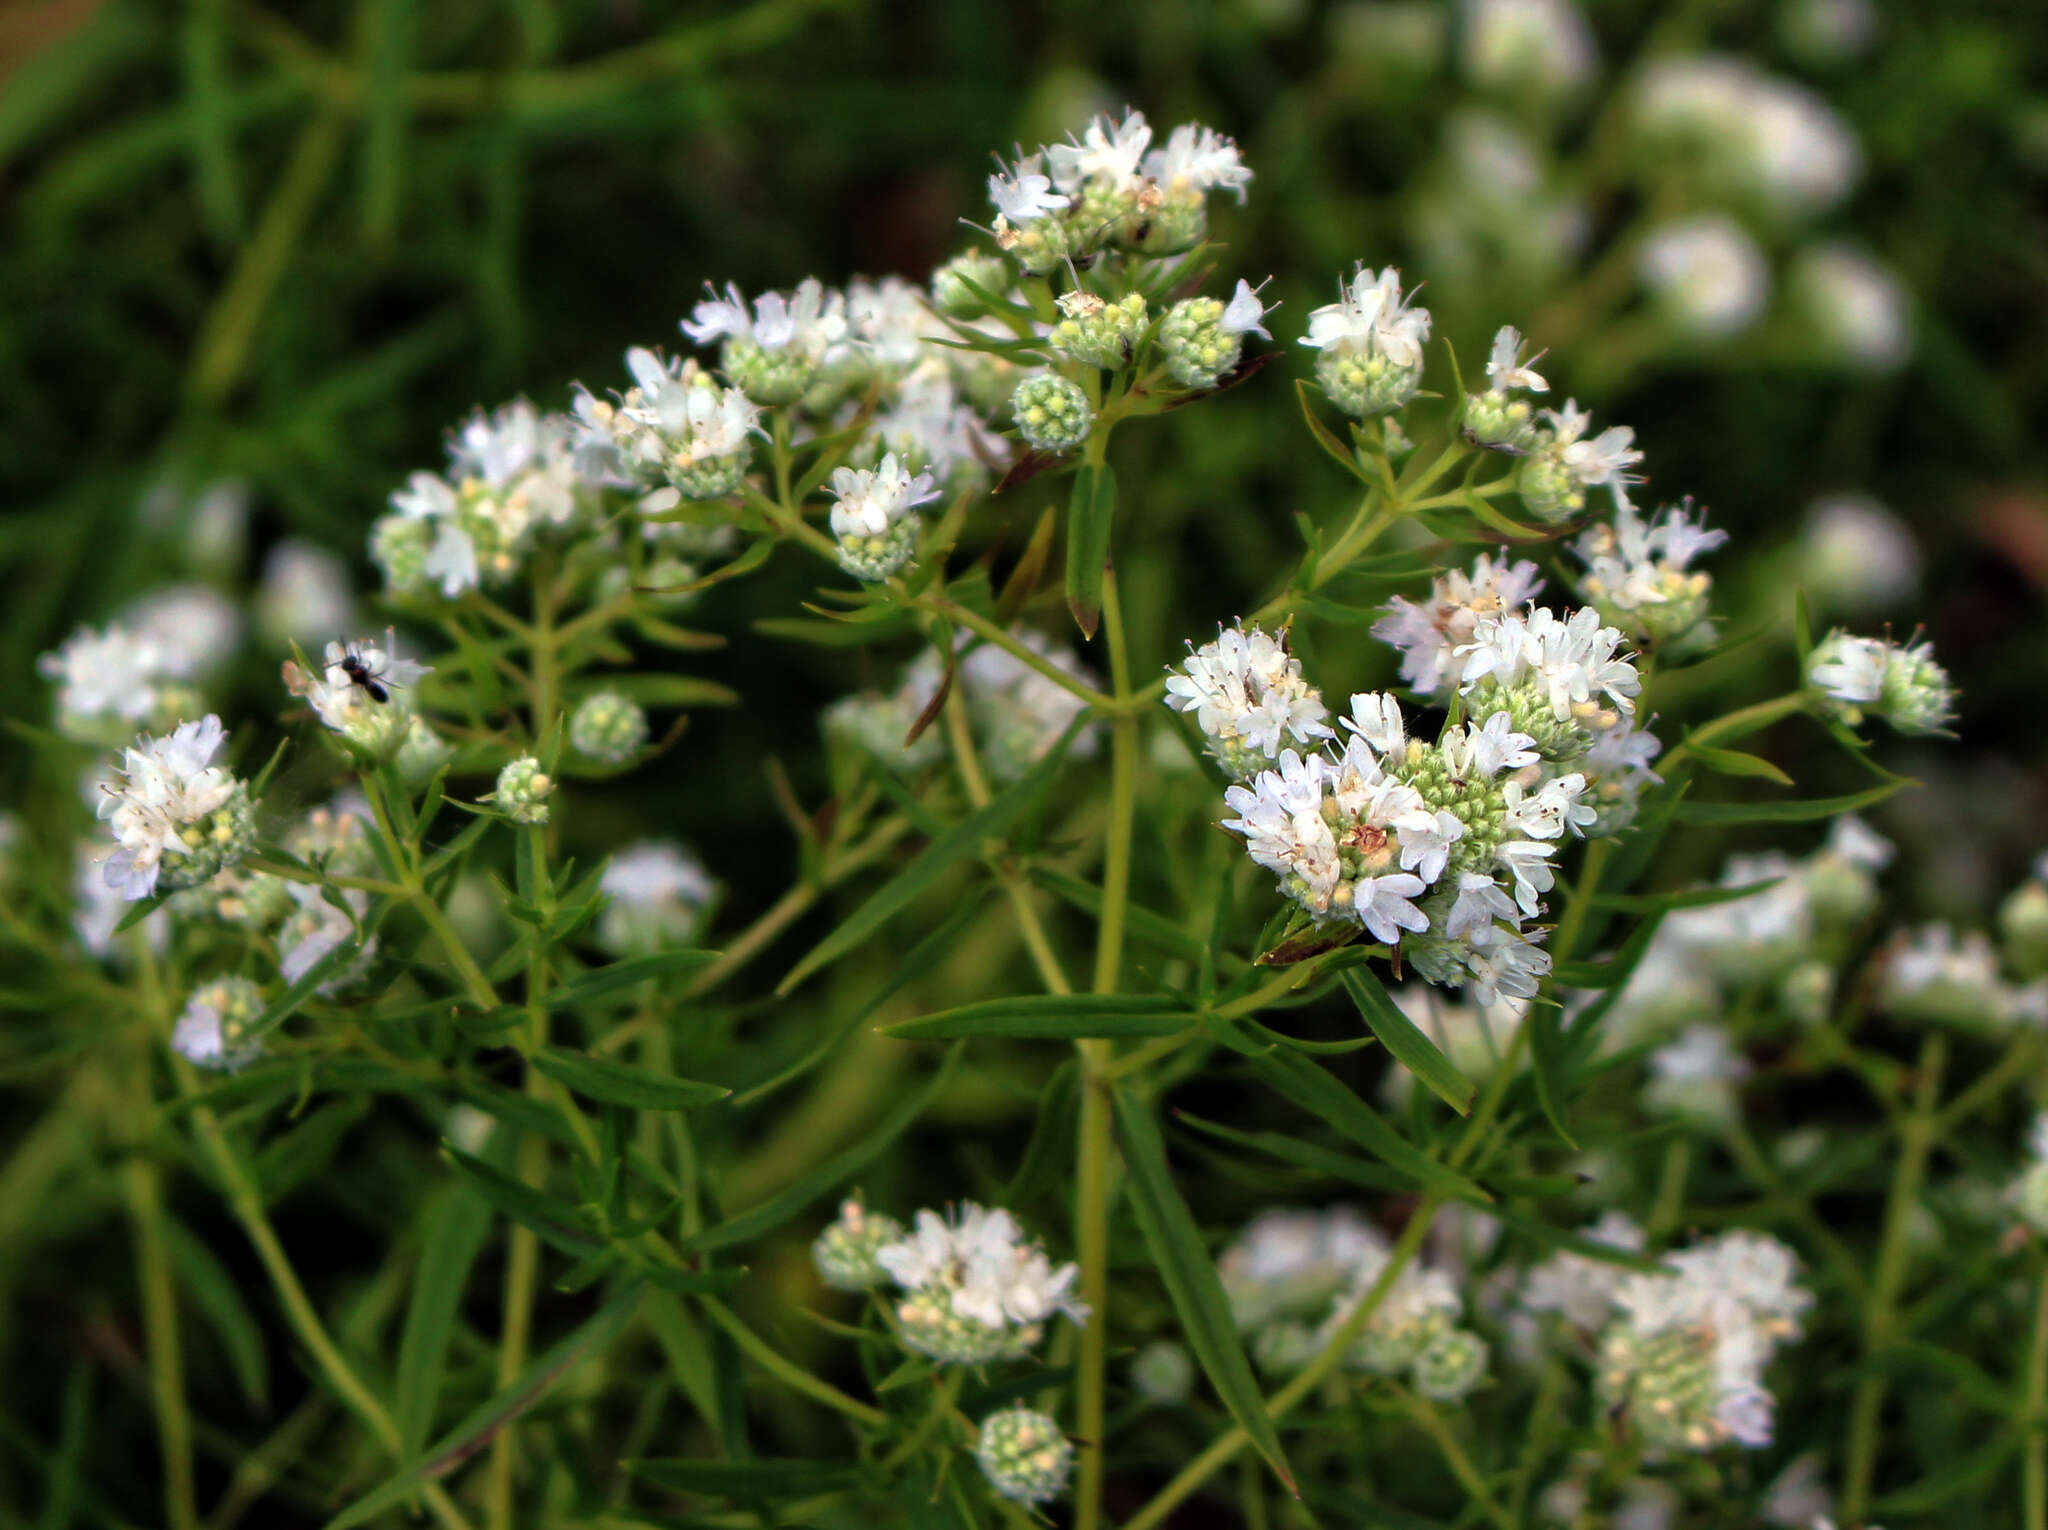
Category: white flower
[346,704]
[1281,817]
[1540,45]
[1024,195]
[1579,1289]
[1426,844]
[1371,317]
[519,453]
[1850,669]
[656,897]
[1107,152]
[868,502]
[1018,713]
[1504,368]
[1484,750]
[1528,862]
[1376,718]
[110,673]
[1766,137]
[1571,659]
[1198,159]
[193,626]
[1429,635]
[1858,307]
[97,906]
[1551,809]
[318,929]
[889,321]
[1855,556]
[1288,1262]
[981,1262]
[1386,905]
[1707,273]
[806,323]
[1601,462]
[1511,966]
[1244,313]
[168,784]
[1248,696]
[305,594]
[1479,903]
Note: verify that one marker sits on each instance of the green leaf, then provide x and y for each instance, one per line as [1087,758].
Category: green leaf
[1304,1155]
[1189,1275]
[1694,897]
[1735,762]
[658,690]
[1154,929]
[1410,1047]
[613,976]
[1312,1088]
[1324,436]
[555,1221]
[828,1176]
[218,1296]
[457,1222]
[1952,1481]
[477,1429]
[746,1479]
[616,1083]
[965,838]
[1090,512]
[140,910]
[1724,814]
[1054,1017]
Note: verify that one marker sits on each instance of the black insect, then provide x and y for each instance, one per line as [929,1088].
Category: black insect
[359,673]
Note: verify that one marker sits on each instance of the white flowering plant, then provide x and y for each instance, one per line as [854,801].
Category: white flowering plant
[1387,1052]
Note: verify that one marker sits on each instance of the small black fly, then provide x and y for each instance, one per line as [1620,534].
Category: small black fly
[359,673]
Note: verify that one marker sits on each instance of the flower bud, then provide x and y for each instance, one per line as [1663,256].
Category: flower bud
[1197,348]
[1916,696]
[1549,489]
[1807,991]
[1366,385]
[422,753]
[2023,924]
[1096,333]
[951,289]
[1024,1455]
[1163,1373]
[1499,421]
[523,790]
[1282,1349]
[1451,1367]
[608,728]
[844,1252]
[1052,413]
[398,546]
[209,1034]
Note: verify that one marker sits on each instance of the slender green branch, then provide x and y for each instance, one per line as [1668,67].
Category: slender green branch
[1917,1134]
[787,1371]
[2034,1465]
[1431,1419]
[987,630]
[143,1183]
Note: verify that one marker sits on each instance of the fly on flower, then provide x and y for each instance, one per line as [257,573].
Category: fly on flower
[366,673]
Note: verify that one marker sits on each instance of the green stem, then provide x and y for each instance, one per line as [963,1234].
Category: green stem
[143,1182]
[1426,1414]
[247,1205]
[2034,1466]
[1282,1402]
[1093,1146]
[1739,722]
[1917,1133]
[787,1371]
[987,630]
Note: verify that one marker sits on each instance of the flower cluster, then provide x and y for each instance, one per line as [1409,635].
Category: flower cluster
[1901,683]
[974,1289]
[363,691]
[1442,847]
[178,819]
[1296,1280]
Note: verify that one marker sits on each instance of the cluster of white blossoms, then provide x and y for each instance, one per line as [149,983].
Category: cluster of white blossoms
[1900,682]
[142,670]
[362,691]
[177,818]
[1444,848]
[513,477]
[1942,976]
[1369,343]
[1296,1277]
[1015,713]
[1682,1360]
[658,896]
[1639,575]
[974,1288]
[1752,135]
[873,516]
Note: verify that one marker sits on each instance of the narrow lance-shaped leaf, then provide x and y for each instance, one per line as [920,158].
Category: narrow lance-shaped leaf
[963,839]
[1312,1088]
[614,1083]
[1400,1036]
[1090,513]
[1061,1017]
[458,1221]
[1189,1275]
[476,1431]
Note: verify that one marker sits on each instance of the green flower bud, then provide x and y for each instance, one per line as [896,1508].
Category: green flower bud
[1163,1373]
[1197,348]
[608,727]
[1549,489]
[844,1252]
[1024,1455]
[1452,1365]
[398,546]
[874,558]
[1052,413]
[523,790]
[422,753]
[211,1031]
[1499,421]
[1096,333]
[765,376]
[1366,385]
[196,853]
[950,290]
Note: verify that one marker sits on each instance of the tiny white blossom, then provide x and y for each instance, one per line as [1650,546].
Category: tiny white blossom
[1024,195]
[867,502]
[1505,368]
[1244,313]
[1199,159]
[1107,152]
[1371,317]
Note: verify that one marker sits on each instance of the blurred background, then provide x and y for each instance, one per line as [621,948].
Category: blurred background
[258,259]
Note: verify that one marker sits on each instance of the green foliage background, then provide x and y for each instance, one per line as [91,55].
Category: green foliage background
[294,244]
